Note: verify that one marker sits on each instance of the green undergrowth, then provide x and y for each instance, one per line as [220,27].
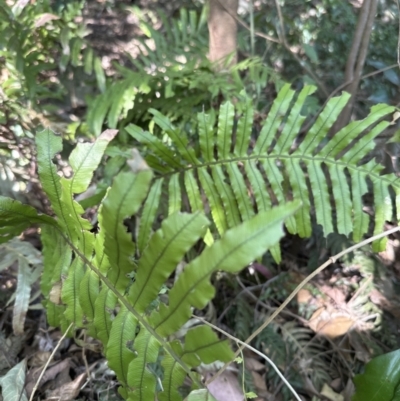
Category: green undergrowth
[216,201]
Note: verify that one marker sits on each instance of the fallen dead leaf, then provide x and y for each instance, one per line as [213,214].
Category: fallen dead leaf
[226,388]
[330,394]
[259,382]
[253,364]
[330,322]
[304,296]
[335,293]
[68,391]
[50,374]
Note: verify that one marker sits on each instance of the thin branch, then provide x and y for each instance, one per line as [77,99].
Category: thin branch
[331,260]
[48,362]
[244,345]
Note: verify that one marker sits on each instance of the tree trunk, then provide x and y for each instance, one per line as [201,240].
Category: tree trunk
[356,58]
[222,29]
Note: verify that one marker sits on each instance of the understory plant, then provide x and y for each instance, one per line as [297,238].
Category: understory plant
[123,286]
[100,280]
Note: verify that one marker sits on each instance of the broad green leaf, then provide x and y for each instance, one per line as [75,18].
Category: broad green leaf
[174,376]
[383,212]
[381,379]
[361,220]
[193,192]
[342,138]
[89,290]
[98,112]
[73,311]
[362,147]
[300,192]
[104,305]
[276,181]
[341,194]
[13,383]
[240,190]
[88,61]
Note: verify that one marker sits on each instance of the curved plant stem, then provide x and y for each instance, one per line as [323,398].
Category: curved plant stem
[331,260]
[244,345]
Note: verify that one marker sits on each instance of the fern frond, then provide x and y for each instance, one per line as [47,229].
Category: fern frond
[327,174]
[106,283]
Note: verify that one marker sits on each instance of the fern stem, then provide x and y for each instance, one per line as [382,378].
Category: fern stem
[137,315]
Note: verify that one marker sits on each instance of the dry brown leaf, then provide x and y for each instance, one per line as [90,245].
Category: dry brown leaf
[259,382]
[50,374]
[330,394]
[253,364]
[304,296]
[226,388]
[335,293]
[330,322]
[68,391]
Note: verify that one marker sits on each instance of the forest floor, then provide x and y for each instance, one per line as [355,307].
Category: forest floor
[338,322]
